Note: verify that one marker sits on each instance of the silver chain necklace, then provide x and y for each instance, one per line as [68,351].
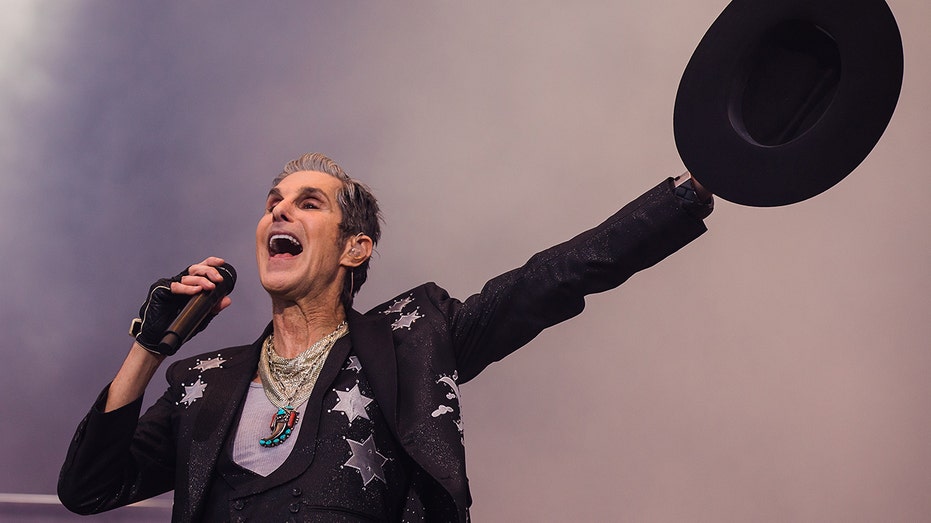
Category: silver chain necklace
[289,382]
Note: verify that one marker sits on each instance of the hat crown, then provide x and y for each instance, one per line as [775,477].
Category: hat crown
[786,83]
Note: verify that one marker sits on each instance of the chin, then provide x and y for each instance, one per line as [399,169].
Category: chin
[276,284]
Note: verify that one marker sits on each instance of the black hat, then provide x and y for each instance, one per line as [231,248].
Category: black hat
[784,98]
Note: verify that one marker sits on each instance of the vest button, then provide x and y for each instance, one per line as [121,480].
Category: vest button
[296,492]
[238,504]
[294,508]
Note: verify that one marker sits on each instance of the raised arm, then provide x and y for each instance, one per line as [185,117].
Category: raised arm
[513,308]
[104,468]
[165,299]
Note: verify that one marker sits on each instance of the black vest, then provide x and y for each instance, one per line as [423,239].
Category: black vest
[358,472]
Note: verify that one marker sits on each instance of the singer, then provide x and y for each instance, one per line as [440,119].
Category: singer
[331,414]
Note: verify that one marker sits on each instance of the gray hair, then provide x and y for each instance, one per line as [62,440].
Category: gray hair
[358,206]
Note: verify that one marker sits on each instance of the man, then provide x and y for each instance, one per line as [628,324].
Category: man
[364,408]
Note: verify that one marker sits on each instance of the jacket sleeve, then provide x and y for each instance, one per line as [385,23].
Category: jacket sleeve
[116,458]
[513,308]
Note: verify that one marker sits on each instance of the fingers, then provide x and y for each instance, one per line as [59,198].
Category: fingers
[703,194]
[207,269]
[201,276]
[224,303]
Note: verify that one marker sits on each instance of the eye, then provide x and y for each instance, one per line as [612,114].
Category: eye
[309,204]
[270,206]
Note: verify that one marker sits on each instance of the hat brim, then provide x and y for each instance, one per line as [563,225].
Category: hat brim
[842,74]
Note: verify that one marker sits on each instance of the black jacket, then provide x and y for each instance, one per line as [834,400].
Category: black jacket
[414,349]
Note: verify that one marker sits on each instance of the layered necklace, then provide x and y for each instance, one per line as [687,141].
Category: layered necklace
[288,382]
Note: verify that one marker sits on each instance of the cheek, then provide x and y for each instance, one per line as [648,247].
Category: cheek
[260,229]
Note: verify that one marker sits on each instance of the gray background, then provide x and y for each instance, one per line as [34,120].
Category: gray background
[775,370]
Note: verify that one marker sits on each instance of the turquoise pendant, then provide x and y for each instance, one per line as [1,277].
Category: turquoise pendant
[282,425]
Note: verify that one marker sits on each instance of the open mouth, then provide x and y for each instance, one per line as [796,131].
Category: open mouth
[284,245]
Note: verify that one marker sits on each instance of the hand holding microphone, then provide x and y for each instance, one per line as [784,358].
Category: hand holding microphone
[178,308]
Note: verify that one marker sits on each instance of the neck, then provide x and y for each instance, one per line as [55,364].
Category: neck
[298,326]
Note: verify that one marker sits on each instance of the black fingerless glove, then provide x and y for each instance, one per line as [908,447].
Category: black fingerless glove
[159,310]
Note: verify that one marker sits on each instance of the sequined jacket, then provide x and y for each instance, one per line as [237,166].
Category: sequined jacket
[415,349]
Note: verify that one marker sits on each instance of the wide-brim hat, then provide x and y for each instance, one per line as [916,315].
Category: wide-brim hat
[784,98]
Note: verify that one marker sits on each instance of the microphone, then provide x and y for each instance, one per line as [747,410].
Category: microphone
[196,310]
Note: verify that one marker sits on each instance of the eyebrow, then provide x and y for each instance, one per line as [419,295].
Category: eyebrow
[303,192]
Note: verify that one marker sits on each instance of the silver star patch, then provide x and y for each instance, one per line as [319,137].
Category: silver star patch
[406,320]
[354,364]
[212,363]
[398,305]
[352,403]
[193,392]
[367,460]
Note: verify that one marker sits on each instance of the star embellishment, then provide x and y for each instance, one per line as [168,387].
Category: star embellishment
[367,460]
[193,392]
[352,403]
[212,363]
[354,364]
[406,320]
[398,305]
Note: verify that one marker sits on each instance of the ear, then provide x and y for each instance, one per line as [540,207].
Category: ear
[358,248]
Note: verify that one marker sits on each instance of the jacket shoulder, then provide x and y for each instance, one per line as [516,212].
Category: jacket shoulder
[216,359]
[429,290]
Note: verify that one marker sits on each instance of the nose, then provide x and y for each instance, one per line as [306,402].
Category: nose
[281,212]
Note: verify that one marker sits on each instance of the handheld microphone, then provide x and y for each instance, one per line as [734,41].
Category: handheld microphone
[196,310]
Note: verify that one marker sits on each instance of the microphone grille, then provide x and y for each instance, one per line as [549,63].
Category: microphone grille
[229,278]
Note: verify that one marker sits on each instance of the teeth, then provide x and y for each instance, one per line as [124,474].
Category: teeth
[284,244]
[288,237]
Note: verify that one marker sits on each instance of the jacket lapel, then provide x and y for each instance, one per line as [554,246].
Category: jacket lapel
[372,342]
[221,403]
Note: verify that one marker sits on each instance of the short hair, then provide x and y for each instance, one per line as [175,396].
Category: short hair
[358,206]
